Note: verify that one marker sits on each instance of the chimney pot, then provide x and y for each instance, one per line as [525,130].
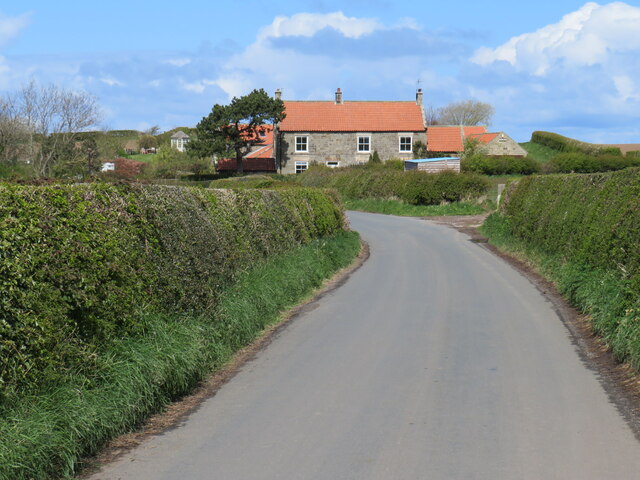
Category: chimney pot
[338,97]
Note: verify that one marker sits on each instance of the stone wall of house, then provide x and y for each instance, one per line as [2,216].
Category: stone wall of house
[341,147]
[503,145]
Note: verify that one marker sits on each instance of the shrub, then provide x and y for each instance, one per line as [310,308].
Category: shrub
[417,188]
[485,165]
[576,162]
[374,157]
[589,225]
[78,263]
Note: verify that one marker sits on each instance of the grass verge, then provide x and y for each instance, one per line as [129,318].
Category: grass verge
[42,436]
[396,207]
[604,295]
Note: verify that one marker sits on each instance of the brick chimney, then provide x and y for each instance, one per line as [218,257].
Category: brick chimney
[419,97]
[338,97]
[278,95]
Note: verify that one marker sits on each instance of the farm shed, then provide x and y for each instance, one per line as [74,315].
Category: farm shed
[433,165]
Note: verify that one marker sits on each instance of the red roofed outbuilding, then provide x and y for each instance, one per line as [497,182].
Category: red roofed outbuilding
[339,133]
[450,140]
[261,159]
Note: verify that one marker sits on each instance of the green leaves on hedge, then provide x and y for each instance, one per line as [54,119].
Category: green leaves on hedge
[416,188]
[79,263]
[590,226]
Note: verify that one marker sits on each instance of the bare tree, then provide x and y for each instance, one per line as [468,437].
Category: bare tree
[467,112]
[431,115]
[155,130]
[53,117]
[14,134]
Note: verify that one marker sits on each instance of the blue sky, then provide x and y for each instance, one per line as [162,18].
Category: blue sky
[564,66]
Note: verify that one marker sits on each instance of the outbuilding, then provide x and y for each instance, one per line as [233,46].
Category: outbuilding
[433,165]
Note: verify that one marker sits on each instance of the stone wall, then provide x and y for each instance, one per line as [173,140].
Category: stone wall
[342,147]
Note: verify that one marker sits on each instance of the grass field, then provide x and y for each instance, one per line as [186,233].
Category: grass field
[538,152]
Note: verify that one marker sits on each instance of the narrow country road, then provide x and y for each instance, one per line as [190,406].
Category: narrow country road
[435,360]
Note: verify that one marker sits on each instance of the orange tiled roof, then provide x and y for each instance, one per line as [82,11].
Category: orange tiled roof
[248,165]
[483,137]
[352,117]
[449,139]
[264,152]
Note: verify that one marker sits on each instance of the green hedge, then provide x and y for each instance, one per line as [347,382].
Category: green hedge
[80,263]
[566,144]
[43,435]
[589,226]
[576,162]
[499,165]
[416,188]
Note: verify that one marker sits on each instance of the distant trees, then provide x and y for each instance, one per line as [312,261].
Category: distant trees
[231,130]
[41,125]
[467,112]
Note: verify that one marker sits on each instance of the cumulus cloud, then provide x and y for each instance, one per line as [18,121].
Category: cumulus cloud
[577,76]
[309,55]
[308,24]
[586,37]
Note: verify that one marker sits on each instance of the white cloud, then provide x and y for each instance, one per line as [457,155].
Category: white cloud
[178,62]
[626,88]
[308,24]
[309,55]
[586,37]
[112,82]
[11,26]
[198,86]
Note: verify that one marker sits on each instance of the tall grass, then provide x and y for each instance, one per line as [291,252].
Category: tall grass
[396,207]
[43,435]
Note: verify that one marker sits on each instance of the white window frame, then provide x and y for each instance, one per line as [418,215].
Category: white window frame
[410,137]
[332,164]
[368,137]
[301,166]
[306,144]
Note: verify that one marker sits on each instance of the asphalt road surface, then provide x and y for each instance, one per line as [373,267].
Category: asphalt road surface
[435,360]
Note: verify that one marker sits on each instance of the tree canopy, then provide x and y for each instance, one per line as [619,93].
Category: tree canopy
[467,112]
[231,130]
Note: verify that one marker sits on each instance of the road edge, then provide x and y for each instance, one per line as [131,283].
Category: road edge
[620,381]
[176,413]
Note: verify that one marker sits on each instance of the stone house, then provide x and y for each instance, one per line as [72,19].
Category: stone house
[179,141]
[340,133]
[498,145]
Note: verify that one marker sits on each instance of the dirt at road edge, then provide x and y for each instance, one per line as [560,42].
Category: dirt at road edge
[620,381]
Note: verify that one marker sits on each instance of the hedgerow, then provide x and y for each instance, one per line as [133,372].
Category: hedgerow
[566,144]
[44,434]
[576,162]
[416,188]
[586,229]
[79,264]
[485,165]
